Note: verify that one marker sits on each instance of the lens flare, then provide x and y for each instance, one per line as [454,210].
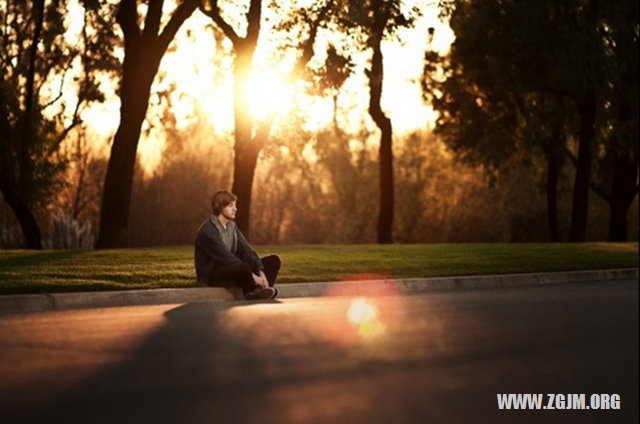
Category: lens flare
[369,306]
[361,310]
[365,315]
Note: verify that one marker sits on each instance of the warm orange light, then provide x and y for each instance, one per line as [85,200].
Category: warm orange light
[365,315]
[267,94]
[362,310]
[366,298]
[197,71]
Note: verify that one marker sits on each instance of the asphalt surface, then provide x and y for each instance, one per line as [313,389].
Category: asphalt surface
[440,357]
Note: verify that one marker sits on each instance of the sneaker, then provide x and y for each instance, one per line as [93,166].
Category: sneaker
[262,293]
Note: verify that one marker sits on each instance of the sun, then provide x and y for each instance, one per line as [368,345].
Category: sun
[267,93]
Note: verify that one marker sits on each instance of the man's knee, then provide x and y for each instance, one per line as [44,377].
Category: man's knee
[272,261]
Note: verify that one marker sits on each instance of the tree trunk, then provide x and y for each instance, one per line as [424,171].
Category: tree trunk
[30,83]
[386,212]
[386,205]
[553,173]
[28,223]
[625,160]
[554,152]
[136,84]
[247,145]
[623,191]
[244,165]
[143,50]
[245,150]
[583,169]
[30,230]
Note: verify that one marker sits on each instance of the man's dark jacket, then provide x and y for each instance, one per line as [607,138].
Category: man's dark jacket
[211,252]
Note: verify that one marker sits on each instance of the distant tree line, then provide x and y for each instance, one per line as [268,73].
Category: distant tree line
[536,98]
[330,197]
[551,83]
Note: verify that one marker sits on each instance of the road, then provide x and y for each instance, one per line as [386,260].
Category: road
[433,357]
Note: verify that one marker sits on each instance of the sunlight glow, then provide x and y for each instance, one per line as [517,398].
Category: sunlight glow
[196,78]
[267,94]
[365,315]
[361,310]
[367,298]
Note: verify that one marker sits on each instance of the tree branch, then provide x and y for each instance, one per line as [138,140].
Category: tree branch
[26,140]
[376,74]
[74,123]
[152,20]
[33,53]
[182,12]
[60,90]
[214,14]
[20,51]
[253,22]
[127,18]
[307,47]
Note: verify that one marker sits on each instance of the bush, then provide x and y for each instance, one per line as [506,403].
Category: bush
[66,233]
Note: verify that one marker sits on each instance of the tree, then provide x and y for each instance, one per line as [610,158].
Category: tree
[250,135]
[247,144]
[379,19]
[38,58]
[545,124]
[514,56]
[383,12]
[368,23]
[80,197]
[143,50]
[619,164]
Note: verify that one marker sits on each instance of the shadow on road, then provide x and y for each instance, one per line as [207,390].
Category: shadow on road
[167,379]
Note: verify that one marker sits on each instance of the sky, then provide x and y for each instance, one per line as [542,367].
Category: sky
[198,75]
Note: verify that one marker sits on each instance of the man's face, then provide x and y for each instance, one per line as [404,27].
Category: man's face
[230,210]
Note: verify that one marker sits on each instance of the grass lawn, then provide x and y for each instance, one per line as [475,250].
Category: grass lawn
[24,271]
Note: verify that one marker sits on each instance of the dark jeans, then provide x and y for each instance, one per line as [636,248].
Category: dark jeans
[240,274]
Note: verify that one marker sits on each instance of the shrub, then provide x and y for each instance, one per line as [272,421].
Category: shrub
[66,233]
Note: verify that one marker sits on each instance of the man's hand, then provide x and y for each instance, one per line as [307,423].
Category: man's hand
[261,279]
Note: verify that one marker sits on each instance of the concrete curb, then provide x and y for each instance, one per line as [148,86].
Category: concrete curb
[81,300]
[63,301]
[414,285]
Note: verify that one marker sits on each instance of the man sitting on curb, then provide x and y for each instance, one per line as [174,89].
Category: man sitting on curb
[223,255]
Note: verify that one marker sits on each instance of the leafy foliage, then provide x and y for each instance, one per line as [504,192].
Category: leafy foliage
[526,79]
[49,73]
[503,55]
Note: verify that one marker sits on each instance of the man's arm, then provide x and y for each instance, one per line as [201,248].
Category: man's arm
[247,254]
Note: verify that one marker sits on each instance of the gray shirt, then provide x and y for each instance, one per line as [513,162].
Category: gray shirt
[228,235]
